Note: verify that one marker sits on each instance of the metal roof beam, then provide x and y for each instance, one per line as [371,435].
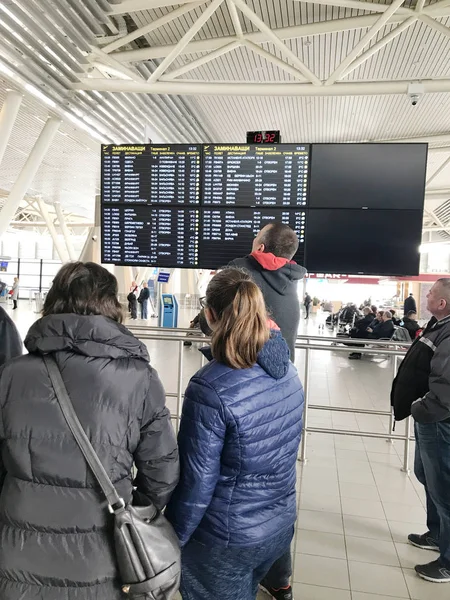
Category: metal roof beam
[281,64]
[201,61]
[379,45]
[276,40]
[438,171]
[155,24]
[359,5]
[373,31]
[195,88]
[258,37]
[184,41]
[130,6]
[435,24]
[435,9]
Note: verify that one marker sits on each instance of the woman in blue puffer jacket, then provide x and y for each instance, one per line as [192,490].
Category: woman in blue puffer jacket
[235,506]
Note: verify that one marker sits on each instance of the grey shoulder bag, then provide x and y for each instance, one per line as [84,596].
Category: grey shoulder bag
[147,548]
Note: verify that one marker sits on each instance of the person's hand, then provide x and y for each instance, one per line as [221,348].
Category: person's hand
[369,330]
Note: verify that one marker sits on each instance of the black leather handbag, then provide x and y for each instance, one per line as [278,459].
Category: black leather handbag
[147,548]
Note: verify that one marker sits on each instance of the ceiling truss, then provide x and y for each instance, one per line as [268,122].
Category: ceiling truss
[166,80]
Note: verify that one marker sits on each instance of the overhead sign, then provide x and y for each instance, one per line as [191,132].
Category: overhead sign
[163,277]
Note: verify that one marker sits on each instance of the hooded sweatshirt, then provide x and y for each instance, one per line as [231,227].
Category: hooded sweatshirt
[277,278]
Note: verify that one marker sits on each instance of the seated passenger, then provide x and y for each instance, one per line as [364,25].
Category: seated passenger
[56,534]
[383,330]
[361,325]
[234,508]
[410,323]
[396,321]
[10,341]
[377,320]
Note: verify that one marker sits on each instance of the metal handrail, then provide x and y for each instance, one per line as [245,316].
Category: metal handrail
[175,335]
[314,338]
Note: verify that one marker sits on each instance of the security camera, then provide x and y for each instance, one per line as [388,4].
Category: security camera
[94,238]
[415,91]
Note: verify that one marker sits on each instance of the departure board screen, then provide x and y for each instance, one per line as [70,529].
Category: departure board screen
[227,234]
[146,235]
[151,174]
[255,175]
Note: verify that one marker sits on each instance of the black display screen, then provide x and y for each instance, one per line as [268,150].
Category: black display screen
[370,242]
[251,175]
[376,176]
[146,235]
[227,234]
[151,174]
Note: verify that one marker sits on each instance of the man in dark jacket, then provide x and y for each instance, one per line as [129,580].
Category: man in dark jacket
[143,299]
[361,325]
[410,304]
[10,342]
[383,330]
[422,388]
[410,323]
[271,266]
[307,302]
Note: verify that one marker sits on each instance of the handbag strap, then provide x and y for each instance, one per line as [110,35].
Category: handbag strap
[115,502]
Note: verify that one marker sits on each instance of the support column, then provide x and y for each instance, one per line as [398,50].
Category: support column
[8,115]
[91,251]
[28,173]
[52,229]
[65,231]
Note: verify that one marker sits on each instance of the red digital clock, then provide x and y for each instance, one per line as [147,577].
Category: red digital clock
[263,137]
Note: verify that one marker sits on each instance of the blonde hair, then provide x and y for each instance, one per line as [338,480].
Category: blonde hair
[241,328]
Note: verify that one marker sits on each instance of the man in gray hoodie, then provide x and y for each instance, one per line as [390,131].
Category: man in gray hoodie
[271,267]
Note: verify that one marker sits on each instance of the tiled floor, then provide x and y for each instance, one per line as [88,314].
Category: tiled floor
[356,506]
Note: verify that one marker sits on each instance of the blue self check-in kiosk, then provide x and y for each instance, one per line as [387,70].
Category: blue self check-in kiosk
[168,311]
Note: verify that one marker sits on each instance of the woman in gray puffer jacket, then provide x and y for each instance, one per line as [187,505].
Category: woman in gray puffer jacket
[55,529]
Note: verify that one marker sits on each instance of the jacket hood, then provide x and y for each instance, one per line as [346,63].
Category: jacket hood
[278,272]
[273,358]
[93,335]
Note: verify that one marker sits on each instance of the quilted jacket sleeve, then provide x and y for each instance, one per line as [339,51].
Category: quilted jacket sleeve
[156,456]
[201,440]
[435,405]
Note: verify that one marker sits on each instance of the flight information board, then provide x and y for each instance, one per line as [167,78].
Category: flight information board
[161,174]
[227,234]
[255,175]
[146,235]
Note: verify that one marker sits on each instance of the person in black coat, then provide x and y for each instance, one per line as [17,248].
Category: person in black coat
[410,304]
[10,341]
[307,302]
[410,323]
[383,330]
[143,299]
[361,325]
[56,534]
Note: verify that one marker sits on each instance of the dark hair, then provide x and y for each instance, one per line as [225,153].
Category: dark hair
[241,327]
[411,312]
[280,240]
[84,289]
[374,309]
